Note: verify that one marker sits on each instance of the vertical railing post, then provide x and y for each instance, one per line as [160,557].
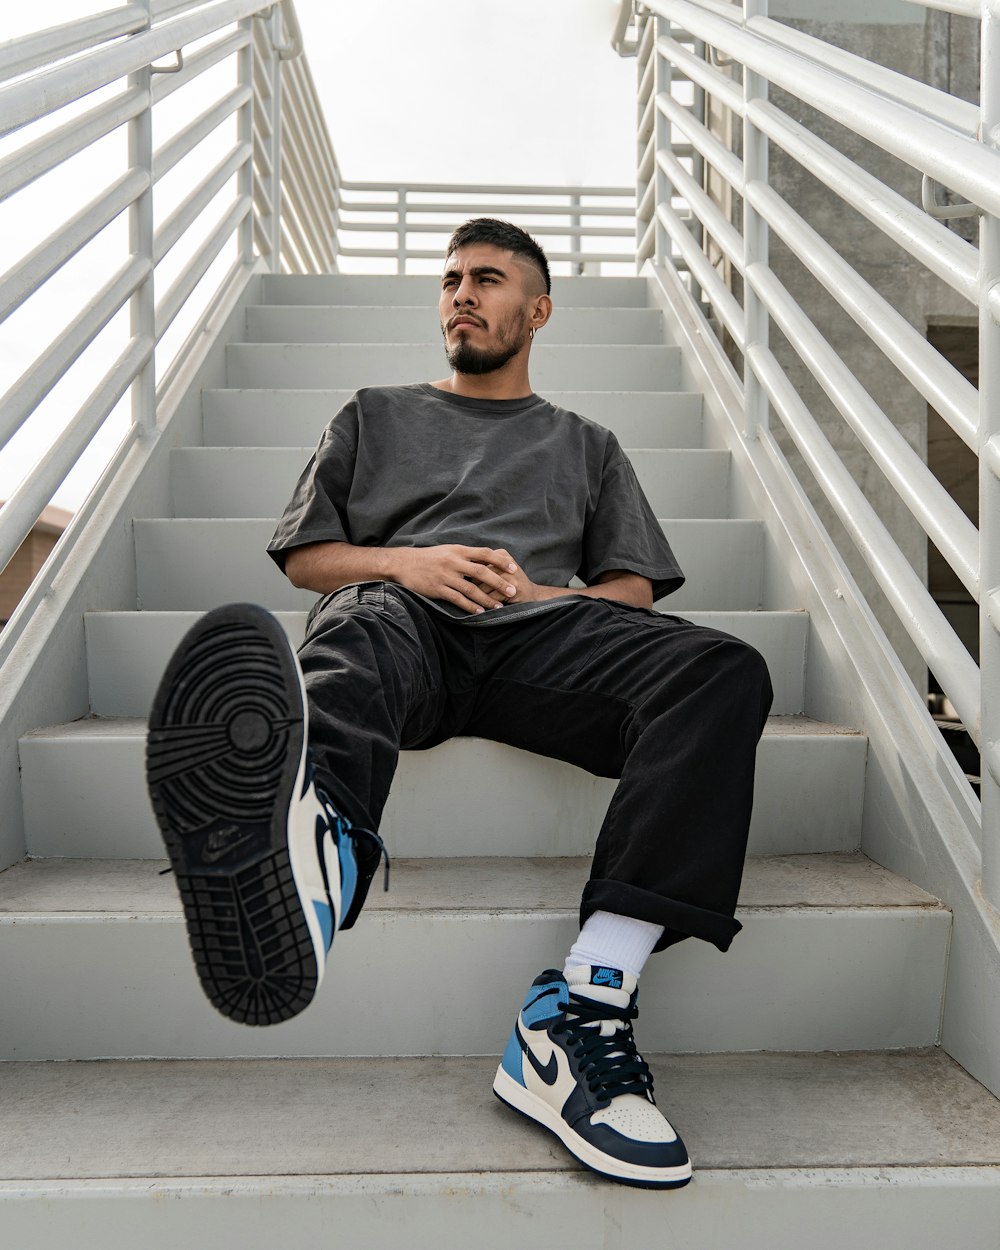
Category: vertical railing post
[989,466]
[244,130]
[401,230]
[274,67]
[755,240]
[644,50]
[662,74]
[142,305]
[575,239]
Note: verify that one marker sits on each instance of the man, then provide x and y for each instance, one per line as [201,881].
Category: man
[442,523]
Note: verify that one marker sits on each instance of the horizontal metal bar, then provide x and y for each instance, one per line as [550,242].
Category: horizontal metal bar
[952,395]
[44,93]
[941,250]
[728,165]
[721,86]
[18,283]
[920,616]
[540,210]
[431,227]
[941,518]
[198,63]
[196,268]
[34,492]
[704,208]
[163,9]
[188,212]
[704,273]
[958,161]
[42,47]
[24,396]
[35,159]
[959,114]
[391,253]
[186,140]
[487,190]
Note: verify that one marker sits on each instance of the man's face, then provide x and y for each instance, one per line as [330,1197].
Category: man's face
[485,307]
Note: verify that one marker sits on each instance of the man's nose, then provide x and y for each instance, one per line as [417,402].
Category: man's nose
[465,293]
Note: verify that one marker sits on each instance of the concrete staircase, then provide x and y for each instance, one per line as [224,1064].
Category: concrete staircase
[801,1066]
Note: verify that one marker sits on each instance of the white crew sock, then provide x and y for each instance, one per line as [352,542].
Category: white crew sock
[611,941]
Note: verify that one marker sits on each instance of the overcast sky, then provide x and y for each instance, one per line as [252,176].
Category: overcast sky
[483,91]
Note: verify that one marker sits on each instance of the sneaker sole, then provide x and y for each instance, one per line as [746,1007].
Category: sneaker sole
[521,1100]
[224,759]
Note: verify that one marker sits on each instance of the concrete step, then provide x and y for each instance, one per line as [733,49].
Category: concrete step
[198,564]
[896,1151]
[84,794]
[836,954]
[422,290]
[271,418]
[344,323]
[255,481]
[127,652]
[553,366]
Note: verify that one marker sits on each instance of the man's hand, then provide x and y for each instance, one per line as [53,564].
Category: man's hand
[473,578]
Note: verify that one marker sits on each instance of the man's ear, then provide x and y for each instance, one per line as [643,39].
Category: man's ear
[541,311]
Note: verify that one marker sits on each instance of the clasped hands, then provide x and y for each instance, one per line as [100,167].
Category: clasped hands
[475,579]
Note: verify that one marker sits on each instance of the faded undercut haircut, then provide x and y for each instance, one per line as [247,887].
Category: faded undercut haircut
[505,235]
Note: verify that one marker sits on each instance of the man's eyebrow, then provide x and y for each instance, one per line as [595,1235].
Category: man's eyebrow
[478,271]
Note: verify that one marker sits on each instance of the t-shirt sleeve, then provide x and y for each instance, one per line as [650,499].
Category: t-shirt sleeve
[317,511]
[623,532]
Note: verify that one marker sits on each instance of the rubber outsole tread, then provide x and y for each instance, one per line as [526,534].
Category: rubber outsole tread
[223,751]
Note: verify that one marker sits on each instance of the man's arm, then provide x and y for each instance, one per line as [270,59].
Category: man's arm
[618,584]
[473,578]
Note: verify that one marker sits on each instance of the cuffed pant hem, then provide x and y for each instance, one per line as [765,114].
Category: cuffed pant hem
[679,920]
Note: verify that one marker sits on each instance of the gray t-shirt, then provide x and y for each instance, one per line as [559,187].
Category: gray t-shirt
[415,466]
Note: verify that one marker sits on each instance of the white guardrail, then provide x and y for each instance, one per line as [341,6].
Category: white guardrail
[273,199]
[730,53]
[272,194]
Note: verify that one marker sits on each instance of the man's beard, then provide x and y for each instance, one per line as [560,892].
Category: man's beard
[464,358]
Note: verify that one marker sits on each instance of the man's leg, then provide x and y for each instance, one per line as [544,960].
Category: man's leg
[676,711]
[269,868]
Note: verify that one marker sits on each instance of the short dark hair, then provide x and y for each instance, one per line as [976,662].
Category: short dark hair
[502,234]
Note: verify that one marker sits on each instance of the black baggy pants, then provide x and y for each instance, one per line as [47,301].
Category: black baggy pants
[673,709]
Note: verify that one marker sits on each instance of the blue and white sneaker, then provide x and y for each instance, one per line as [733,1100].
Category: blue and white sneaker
[268,870]
[572,1066]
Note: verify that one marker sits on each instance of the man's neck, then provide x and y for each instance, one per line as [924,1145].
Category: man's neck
[496,385]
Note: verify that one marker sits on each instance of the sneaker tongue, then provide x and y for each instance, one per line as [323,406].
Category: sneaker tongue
[602,984]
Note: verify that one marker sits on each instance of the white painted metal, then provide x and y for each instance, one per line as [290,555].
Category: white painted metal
[106,58]
[416,208]
[941,137]
[989,483]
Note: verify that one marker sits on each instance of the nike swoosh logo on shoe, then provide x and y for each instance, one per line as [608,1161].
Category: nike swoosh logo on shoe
[222,841]
[549,1072]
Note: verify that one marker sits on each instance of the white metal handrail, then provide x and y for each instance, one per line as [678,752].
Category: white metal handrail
[690,50]
[269,199]
[582,218]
